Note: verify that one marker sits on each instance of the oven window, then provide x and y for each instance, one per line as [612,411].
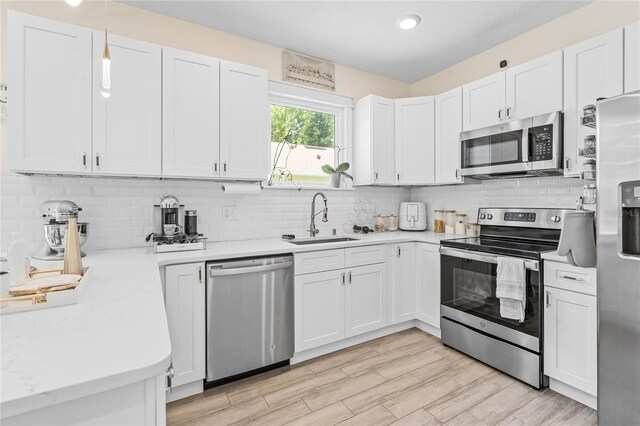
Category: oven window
[470,286]
[492,150]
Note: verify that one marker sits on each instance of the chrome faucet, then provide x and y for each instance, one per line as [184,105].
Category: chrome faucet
[313,231]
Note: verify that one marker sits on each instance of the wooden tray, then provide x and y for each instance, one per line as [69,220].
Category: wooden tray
[33,302]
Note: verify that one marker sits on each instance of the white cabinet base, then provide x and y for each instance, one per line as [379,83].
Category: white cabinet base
[428,328]
[573,393]
[183,391]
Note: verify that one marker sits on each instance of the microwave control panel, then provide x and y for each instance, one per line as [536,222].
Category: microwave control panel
[541,141]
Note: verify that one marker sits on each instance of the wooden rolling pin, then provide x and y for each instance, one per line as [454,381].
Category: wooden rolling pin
[72,256]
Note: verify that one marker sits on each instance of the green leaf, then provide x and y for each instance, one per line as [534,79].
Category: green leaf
[347,175]
[343,167]
[328,169]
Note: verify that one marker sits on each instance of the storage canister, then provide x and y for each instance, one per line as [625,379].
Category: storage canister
[438,221]
[460,226]
[393,222]
[450,218]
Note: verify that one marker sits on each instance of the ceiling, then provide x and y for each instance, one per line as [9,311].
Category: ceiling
[365,34]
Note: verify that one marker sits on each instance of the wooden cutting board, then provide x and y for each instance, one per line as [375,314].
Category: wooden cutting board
[46,284]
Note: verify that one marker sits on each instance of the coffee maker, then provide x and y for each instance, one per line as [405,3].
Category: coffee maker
[56,215]
[169,228]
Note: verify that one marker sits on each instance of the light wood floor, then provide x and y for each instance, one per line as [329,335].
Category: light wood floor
[408,378]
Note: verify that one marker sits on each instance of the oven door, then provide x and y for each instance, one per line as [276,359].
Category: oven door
[496,149]
[468,296]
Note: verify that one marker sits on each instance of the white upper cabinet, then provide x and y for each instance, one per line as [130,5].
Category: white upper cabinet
[632,57]
[414,140]
[49,78]
[526,90]
[374,146]
[534,88]
[244,122]
[127,125]
[483,102]
[448,125]
[592,69]
[191,114]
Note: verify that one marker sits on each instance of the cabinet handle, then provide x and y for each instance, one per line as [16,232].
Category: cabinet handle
[343,281]
[508,112]
[200,273]
[215,166]
[398,176]
[399,251]
[500,114]
[548,300]
[349,276]
[566,163]
[169,375]
[84,160]
[376,176]
[98,160]
[457,173]
[224,167]
[568,277]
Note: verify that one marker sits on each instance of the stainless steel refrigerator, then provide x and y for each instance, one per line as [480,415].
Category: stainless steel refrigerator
[618,228]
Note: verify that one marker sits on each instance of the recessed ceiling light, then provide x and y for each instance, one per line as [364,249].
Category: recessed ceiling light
[73,2]
[409,22]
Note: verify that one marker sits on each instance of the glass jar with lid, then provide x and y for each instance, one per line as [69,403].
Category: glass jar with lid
[438,221]
[460,225]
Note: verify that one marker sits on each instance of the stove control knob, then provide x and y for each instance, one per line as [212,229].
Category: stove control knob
[482,215]
[489,216]
[555,219]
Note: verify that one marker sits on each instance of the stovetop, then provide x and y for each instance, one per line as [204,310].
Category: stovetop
[513,247]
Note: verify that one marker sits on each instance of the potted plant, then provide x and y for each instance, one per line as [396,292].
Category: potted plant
[337,173]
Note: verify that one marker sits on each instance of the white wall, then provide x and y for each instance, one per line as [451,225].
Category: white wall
[120,211]
[550,192]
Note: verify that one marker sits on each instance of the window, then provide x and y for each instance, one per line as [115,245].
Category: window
[307,132]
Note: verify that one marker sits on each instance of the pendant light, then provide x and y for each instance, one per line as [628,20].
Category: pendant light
[73,2]
[105,82]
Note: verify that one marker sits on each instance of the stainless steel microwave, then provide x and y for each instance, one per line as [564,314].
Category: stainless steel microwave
[528,147]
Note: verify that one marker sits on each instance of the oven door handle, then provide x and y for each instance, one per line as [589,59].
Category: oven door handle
[484,257]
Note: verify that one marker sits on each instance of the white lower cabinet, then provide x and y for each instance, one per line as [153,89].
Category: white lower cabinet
[319,309]
[185,304]
[366,303]
[403,282]
[428,283]
[570,326]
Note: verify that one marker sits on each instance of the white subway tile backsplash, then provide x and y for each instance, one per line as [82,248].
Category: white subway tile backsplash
[120,211]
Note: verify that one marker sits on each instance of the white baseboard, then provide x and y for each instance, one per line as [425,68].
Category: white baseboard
[183,391]
[428,328]
[342,344]
[573,393]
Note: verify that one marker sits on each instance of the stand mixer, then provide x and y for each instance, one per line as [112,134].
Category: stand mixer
[56,214]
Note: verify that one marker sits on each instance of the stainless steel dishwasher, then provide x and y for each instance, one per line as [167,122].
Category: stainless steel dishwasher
[249,317]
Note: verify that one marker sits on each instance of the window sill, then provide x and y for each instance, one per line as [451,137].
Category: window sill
[308,188]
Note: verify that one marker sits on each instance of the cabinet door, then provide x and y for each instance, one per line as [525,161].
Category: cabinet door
[190,114]
[319,309]
[483,102]
[448,126]
[127,126]
[428,284]
[414,140]
[366,301]
[570,338]
[592,69]
[49,66]
[535,87]
[382,140]
[403,282]
[185,302]
[632,57]
[244,121]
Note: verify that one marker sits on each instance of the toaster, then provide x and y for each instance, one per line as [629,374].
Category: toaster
[413,216]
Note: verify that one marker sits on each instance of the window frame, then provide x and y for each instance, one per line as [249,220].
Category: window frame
[294,96]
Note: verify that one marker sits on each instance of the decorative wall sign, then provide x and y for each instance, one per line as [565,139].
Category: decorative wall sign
[309,71]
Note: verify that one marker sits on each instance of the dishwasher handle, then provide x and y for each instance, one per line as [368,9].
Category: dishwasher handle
[247,270]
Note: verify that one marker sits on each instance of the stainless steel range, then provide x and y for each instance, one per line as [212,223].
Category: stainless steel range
[471,320]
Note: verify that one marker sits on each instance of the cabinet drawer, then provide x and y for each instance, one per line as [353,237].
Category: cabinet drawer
[318,261]
[366,255]
[568,277]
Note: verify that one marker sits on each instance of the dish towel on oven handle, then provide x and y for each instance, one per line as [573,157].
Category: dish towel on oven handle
[511,288]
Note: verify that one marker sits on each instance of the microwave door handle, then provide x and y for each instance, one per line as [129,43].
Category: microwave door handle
[527,142]
[483,257]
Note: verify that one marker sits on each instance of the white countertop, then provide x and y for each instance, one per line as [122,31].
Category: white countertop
[118,333]
[554,256]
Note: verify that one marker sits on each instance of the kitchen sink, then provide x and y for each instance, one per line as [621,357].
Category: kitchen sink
[322,241]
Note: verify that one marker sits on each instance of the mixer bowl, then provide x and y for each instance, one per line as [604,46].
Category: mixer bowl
[55,233]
